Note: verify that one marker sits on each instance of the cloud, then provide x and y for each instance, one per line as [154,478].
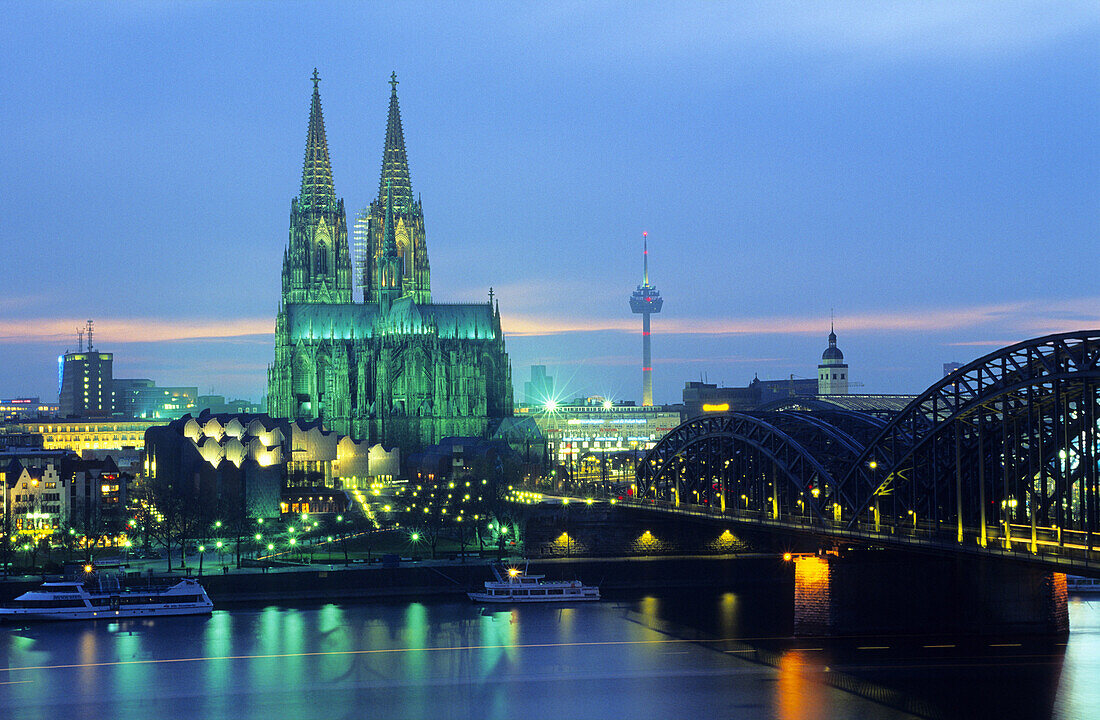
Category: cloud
[1029,318]
[1024,318]
[884,30]
[135,330]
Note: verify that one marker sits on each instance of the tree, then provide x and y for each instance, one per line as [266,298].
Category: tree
[6,539]
[182,511]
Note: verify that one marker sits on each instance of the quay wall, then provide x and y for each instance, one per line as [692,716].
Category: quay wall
[319,583]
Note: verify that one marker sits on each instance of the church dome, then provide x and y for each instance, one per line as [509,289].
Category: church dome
[832,352]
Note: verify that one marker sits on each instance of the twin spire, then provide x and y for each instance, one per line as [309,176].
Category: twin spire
[318,190]
[395,164]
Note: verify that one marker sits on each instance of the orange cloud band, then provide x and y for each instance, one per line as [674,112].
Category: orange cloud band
[1020,319]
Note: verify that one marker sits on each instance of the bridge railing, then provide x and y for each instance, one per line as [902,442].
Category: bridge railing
[1071,549]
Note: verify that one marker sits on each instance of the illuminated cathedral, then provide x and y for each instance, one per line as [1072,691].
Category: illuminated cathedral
[394,367]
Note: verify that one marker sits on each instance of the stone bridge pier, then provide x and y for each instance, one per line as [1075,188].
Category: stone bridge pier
[891,592]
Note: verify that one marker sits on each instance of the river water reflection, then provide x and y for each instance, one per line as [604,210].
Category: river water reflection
[670,655]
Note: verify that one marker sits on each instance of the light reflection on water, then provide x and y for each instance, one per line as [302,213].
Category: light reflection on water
[662,655]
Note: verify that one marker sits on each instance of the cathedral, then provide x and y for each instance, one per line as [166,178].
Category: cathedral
[394,367]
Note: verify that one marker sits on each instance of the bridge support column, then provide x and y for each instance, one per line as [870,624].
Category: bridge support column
[872,593]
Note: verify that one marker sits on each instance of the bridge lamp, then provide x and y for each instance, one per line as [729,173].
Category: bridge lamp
[872,464]
[271,546]
[259,537]
[815,492]
[293,541]
[218,544]
[787,557]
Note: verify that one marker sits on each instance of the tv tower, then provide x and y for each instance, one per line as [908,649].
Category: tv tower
[646,300]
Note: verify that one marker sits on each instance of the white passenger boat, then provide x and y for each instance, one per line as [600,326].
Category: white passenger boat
[516,586]
[1082,585]
[101,597]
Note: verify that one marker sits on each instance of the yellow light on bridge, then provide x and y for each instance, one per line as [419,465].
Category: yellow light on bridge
[716,407]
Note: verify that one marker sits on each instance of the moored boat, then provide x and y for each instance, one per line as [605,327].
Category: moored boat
[1082,585]
[516,586]
[101,596]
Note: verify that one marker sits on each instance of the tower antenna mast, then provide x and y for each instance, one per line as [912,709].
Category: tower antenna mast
[645,301]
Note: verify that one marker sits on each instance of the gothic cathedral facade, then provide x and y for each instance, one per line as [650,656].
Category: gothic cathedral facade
[393,368]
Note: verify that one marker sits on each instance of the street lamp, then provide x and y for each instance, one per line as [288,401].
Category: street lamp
[202,551]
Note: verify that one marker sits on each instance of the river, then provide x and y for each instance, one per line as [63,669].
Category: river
[666,655]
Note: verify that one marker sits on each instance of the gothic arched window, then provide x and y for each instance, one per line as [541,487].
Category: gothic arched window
[320,264]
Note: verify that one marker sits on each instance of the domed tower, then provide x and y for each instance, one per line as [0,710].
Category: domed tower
[832,373]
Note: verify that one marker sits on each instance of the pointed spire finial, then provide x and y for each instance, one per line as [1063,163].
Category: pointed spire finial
[317,187]
[395,163]
[490,294]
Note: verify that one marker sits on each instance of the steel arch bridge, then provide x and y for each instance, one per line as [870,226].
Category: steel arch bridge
[999,458]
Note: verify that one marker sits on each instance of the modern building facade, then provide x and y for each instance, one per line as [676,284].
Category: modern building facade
[395,368]
[83,435]
[86,384]
[218,405]
[23,408]
[539,390]
[594,427]
[254,457]
[142,398]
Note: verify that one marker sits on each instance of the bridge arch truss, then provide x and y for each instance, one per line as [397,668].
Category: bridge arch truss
[1000,456]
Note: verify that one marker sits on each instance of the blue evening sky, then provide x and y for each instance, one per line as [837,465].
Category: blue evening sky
[929,171]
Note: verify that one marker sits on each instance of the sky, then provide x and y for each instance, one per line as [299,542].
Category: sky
[927,173]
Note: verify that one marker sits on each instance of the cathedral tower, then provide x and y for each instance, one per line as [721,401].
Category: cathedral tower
[316,264]
[371,226]
[395,368]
